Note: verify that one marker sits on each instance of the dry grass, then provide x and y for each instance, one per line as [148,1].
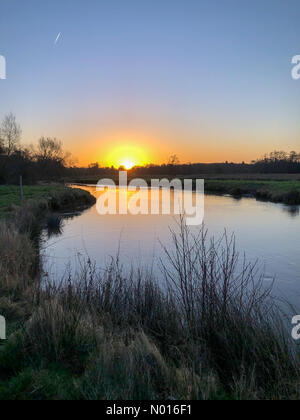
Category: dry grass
[211,332]
[17,259]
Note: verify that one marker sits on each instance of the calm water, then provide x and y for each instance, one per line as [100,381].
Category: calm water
[269,232]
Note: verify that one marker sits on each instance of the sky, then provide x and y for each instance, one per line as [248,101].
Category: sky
[141,80]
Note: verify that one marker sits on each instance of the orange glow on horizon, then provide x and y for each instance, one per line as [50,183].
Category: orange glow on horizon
[125,148]
[127,156]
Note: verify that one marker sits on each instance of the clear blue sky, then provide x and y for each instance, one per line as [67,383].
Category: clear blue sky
[208,80]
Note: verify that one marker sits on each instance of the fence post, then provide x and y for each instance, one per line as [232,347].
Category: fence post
[21,188]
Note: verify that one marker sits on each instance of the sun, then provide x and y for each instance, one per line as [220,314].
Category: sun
[128,164]
[126,156]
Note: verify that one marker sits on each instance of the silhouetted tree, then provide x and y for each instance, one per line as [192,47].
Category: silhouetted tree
[50,149]
[173,160]
[10,135]
[50,157]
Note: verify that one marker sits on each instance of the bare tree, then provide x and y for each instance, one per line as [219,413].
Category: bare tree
[50,149]
[294,156]
[10,135]
[174,160]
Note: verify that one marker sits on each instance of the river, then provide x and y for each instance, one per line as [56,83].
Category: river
[264,231]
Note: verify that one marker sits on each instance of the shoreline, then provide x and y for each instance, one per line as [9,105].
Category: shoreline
[49,198]
[280,191]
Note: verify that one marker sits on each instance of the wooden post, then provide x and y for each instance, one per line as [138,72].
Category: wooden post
[21,188]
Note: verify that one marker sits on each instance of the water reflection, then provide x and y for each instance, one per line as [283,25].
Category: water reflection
[265,231]
[293,211]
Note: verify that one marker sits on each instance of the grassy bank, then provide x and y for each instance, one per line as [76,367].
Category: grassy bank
[21,224]
[55,197]
[287,192]
[212,333]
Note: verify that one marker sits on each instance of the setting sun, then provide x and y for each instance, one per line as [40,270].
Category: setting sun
[126,156]
[128,164]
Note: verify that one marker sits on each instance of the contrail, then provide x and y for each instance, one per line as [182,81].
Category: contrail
[57,38]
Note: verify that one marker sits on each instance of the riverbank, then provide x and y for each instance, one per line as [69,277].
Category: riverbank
[54,197]
[285,191]
[101,333]
[21,223]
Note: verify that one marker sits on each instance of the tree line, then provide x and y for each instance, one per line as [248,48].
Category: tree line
[50,162]
[277,162]
[47,160]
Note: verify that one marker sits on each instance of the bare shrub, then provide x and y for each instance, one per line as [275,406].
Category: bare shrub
[226,306]
[211,331]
